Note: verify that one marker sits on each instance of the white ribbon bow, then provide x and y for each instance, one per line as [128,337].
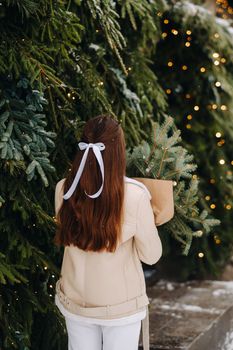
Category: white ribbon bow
[97,147]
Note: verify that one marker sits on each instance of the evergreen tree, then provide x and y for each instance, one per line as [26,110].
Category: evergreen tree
[194,66]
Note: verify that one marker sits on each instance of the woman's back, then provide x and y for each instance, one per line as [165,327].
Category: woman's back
[104,278]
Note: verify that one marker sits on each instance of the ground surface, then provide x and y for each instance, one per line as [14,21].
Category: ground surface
[195,315]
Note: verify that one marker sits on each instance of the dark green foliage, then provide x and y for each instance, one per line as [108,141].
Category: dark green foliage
[207,83]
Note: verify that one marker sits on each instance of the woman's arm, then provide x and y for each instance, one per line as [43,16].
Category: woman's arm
[147,240]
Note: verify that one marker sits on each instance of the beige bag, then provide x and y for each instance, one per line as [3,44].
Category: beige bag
[162,198]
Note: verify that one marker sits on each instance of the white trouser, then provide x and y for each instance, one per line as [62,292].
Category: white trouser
[87,336]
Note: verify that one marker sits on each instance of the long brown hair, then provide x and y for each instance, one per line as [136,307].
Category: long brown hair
[95,224]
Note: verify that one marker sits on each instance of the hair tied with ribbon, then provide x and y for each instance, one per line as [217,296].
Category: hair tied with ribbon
[97,148]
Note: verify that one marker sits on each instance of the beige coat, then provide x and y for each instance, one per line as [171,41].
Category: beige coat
[112,285]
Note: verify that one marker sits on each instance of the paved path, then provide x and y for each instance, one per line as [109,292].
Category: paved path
[196,315]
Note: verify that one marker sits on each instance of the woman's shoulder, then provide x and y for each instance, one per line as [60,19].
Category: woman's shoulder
[137,187]
[59,185]
[60,182]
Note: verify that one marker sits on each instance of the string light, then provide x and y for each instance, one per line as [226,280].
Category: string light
[187,96]
[166,21]
[199,233]
[216,63]
[216,35]
[223,9]
[170,64]
[212,181]
[212,206]
[218,84]
[207,198]
[168,91]
[223,107]
[184,67]
[218,134]
[223,60]
[188,32]
[222,161]
[228,206]
[202,69]
[174,31]
[187,44]
[188,126]
[189,116]
[196,108]
[201,255]
[214,106]
[164,35]
[215,55]
[221,142]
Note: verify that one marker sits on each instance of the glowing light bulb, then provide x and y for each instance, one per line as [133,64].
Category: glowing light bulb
[201,255]
[174,31]
[218,134]
[222,161]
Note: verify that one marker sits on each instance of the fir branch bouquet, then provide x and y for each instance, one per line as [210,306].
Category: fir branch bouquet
[165,159]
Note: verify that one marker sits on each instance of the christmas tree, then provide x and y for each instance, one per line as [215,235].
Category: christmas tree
[193,63]
[61,63]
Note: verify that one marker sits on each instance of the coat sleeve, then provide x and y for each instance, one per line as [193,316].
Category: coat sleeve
[58,199]
[147,240]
